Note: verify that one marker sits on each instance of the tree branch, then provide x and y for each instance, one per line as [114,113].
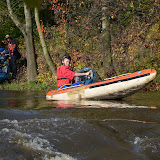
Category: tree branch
[15,18]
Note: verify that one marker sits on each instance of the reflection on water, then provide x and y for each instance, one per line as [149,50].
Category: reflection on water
[33,128]
[36,100]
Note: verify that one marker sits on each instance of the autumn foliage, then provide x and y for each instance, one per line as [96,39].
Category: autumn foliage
[74,27]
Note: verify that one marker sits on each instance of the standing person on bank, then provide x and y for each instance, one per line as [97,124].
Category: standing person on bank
[65,74]
[13,53]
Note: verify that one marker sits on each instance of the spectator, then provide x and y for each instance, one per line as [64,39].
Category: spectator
[13,55]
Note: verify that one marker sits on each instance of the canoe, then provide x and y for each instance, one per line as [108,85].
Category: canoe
[111,88]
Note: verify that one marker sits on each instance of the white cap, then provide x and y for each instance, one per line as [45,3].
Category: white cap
[7,36]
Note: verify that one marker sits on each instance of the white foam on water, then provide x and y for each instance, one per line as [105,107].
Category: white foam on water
[138,140]
[62,157]
[5,121]
[145,143]
[5,130]
[11,122]
[44,146]
[31,141]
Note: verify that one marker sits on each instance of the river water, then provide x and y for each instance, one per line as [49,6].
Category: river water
[32,128]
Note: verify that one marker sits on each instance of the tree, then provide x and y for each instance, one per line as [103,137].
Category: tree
[36,4]
[27,31]
[6,24]
[45,51]
[106,39]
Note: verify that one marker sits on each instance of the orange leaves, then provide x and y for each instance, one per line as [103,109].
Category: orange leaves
[54,1]
[60,10]
[131,48]
[42,28]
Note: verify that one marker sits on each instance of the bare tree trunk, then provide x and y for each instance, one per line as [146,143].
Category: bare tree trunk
[44,47]
[31,60]
[26,29]
[106,39]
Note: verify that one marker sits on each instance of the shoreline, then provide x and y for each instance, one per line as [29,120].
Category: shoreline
[34,86]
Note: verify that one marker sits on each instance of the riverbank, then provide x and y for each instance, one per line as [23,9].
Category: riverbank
[34,86]
[45,82]
[21,85]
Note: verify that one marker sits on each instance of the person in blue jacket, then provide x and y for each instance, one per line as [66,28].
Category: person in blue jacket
[5,53]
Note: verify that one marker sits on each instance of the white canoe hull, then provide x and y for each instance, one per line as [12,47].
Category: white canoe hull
[114,88]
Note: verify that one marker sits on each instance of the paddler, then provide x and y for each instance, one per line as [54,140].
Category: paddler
[65,74]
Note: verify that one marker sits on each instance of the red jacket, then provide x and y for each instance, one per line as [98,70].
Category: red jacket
[65,75]
[12,47]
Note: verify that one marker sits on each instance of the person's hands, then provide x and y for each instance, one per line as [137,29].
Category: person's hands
[88,73]
[2,53]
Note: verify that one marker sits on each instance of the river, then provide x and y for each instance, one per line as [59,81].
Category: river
[32,128]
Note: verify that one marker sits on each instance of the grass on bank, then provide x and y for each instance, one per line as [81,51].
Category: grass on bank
[26,86]
[42,82]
